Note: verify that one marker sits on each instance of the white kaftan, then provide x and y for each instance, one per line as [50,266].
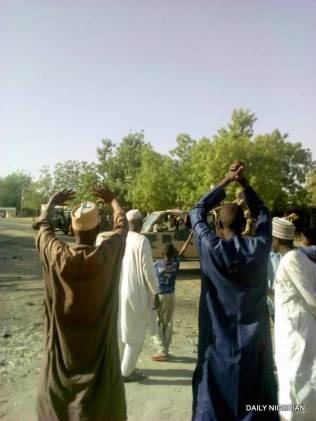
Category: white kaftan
[138,285]
[295,334]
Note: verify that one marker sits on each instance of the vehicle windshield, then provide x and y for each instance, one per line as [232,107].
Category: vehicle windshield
[148,222]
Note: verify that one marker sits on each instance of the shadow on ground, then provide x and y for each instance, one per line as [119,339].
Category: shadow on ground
[175,377]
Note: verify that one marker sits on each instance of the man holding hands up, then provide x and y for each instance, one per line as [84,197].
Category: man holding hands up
[234,377]
[81,377]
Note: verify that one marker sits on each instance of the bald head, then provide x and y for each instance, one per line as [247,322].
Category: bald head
[231,218]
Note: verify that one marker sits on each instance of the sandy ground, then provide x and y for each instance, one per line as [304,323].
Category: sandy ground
[164,395]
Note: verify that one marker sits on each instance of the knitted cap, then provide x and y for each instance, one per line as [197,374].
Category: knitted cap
[85,216]
[283,229]
[133,214]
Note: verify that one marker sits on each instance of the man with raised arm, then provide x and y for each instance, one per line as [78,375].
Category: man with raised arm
[234,377]
[81,377]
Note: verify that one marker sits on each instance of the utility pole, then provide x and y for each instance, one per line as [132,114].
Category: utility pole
[22,198]
[130,178]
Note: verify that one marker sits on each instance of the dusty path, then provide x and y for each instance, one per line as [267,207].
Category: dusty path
[164,395]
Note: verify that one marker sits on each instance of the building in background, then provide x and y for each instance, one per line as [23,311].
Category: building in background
[7,212]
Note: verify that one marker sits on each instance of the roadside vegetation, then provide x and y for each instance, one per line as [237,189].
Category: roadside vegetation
[282,171]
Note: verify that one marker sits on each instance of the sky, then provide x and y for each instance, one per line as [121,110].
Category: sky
[73,72]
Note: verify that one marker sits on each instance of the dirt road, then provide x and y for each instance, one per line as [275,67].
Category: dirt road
[164,395]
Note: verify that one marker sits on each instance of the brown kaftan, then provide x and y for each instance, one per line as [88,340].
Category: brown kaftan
[81,378]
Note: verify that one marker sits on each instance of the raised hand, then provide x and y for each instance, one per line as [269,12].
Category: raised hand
[104,193]
[57,199]
[235,165]
[235,173]
[236,170]
[61,198]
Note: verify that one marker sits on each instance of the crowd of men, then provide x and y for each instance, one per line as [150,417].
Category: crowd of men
[102,293]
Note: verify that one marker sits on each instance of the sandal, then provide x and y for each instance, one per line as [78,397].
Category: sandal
[135,376]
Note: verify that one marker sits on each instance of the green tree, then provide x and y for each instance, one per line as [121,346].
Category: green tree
[154,185]
[45,184]
[12,189]
[119,164]
[33,198]
[242,122]
[182,152]
[231,143]
[66,175]
[80,176]
[183,183]
[277,167]
[207,160]
[280,167]
[88,178]
[311,186]
[107,164]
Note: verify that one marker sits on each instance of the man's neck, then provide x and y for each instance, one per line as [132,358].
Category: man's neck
[228,234]
[285,249]
[84,241]
[134,230]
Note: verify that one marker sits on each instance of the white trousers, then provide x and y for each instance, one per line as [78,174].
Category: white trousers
[129,357]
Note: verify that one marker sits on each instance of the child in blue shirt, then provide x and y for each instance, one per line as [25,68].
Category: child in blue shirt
[167,270]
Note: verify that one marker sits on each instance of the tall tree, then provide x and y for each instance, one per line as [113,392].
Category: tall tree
[154,185]
[281,167]
[33,198]
[311,186]
[12,189]
[277,167]
[207,160]
[183,184]
[45,183]
[242,122]
[88,178]
[80,176]
[66,175]
[119,164]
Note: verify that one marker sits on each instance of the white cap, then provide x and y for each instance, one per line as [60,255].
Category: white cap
[133,215]
[84,216]
[283,228]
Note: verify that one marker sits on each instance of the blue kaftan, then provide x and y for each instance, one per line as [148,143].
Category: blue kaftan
[235,364]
